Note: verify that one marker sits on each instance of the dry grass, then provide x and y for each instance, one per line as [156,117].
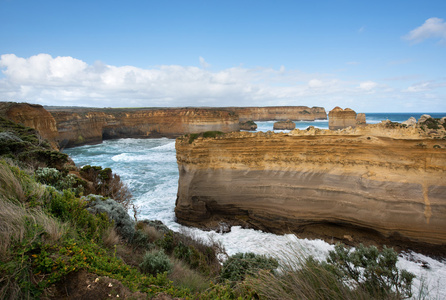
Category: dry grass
[111,238]
[302,277]
[152,233]
[17,222]
[183,276]
[10,186]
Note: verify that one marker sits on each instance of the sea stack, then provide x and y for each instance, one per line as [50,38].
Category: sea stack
[249,125]
[339,118]
[284,125]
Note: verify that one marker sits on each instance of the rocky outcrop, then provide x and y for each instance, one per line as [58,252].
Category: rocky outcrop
[249,125]
[284,125]
[380,179]
[280,113]
[83,126]
[360,119]
[410,122]
[31,115]
[339,118]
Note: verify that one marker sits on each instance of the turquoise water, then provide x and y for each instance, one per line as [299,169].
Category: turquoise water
[149,168]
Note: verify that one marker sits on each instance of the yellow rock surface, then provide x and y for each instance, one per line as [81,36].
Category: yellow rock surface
[391,181]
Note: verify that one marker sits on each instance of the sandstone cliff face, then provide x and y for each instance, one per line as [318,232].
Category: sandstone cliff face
[390,181]
[280,113]
[82,126]
[339,118]
[31,115]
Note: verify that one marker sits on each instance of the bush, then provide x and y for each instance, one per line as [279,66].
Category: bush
[372,270]
[125,226]
[107,184]
[238,266]
[156,262]
[56,179]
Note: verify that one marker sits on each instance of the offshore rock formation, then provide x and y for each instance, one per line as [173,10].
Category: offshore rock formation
[339,118]
[31,115]
[284,125]
[280,113]
[384,179]
[248,125]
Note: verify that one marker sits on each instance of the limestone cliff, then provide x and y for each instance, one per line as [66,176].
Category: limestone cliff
[82,126]
[381,178]
[339,118]
[31,115]
[280,113]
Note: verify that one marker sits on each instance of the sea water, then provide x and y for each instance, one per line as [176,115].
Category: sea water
[148,167]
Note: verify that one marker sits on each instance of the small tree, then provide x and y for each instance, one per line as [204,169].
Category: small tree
[239,265]
[372,270]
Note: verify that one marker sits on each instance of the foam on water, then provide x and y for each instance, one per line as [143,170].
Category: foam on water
[149,168]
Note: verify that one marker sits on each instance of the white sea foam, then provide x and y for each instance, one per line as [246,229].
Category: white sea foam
[149,168]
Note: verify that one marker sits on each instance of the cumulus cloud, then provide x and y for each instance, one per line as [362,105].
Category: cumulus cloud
[51,80]
[368,85]
[432,28]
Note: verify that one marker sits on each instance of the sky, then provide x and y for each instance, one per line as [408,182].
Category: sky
[371,56]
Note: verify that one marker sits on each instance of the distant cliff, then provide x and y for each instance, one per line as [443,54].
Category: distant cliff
[83,126]
[384,179]
[280,113]
[69,126]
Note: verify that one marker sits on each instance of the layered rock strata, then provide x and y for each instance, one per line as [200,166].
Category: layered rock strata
[280,113]
[68,127]
[284,125]
[82,126]
[34,116]
[339,118]
[379,178]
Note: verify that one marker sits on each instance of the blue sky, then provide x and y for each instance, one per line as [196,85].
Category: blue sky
[379,56]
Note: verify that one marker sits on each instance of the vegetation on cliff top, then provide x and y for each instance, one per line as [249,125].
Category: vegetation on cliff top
[54,241]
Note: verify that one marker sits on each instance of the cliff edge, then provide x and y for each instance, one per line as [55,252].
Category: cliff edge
[384,179]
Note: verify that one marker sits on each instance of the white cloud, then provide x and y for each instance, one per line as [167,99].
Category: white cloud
[203,63]
[368,85]
[315,83]
[425,86]
[51,80]
[432,28]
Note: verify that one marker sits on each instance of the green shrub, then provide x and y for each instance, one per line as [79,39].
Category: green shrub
[141,240]
[125,226]
[66,207]
[192,137]
[432,123]
[239,265]
[107,184]
[212,134]
[371,269]
[207,134]
[156,262]
[56,179]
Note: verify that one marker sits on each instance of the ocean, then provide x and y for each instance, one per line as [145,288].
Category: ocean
[148,167]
